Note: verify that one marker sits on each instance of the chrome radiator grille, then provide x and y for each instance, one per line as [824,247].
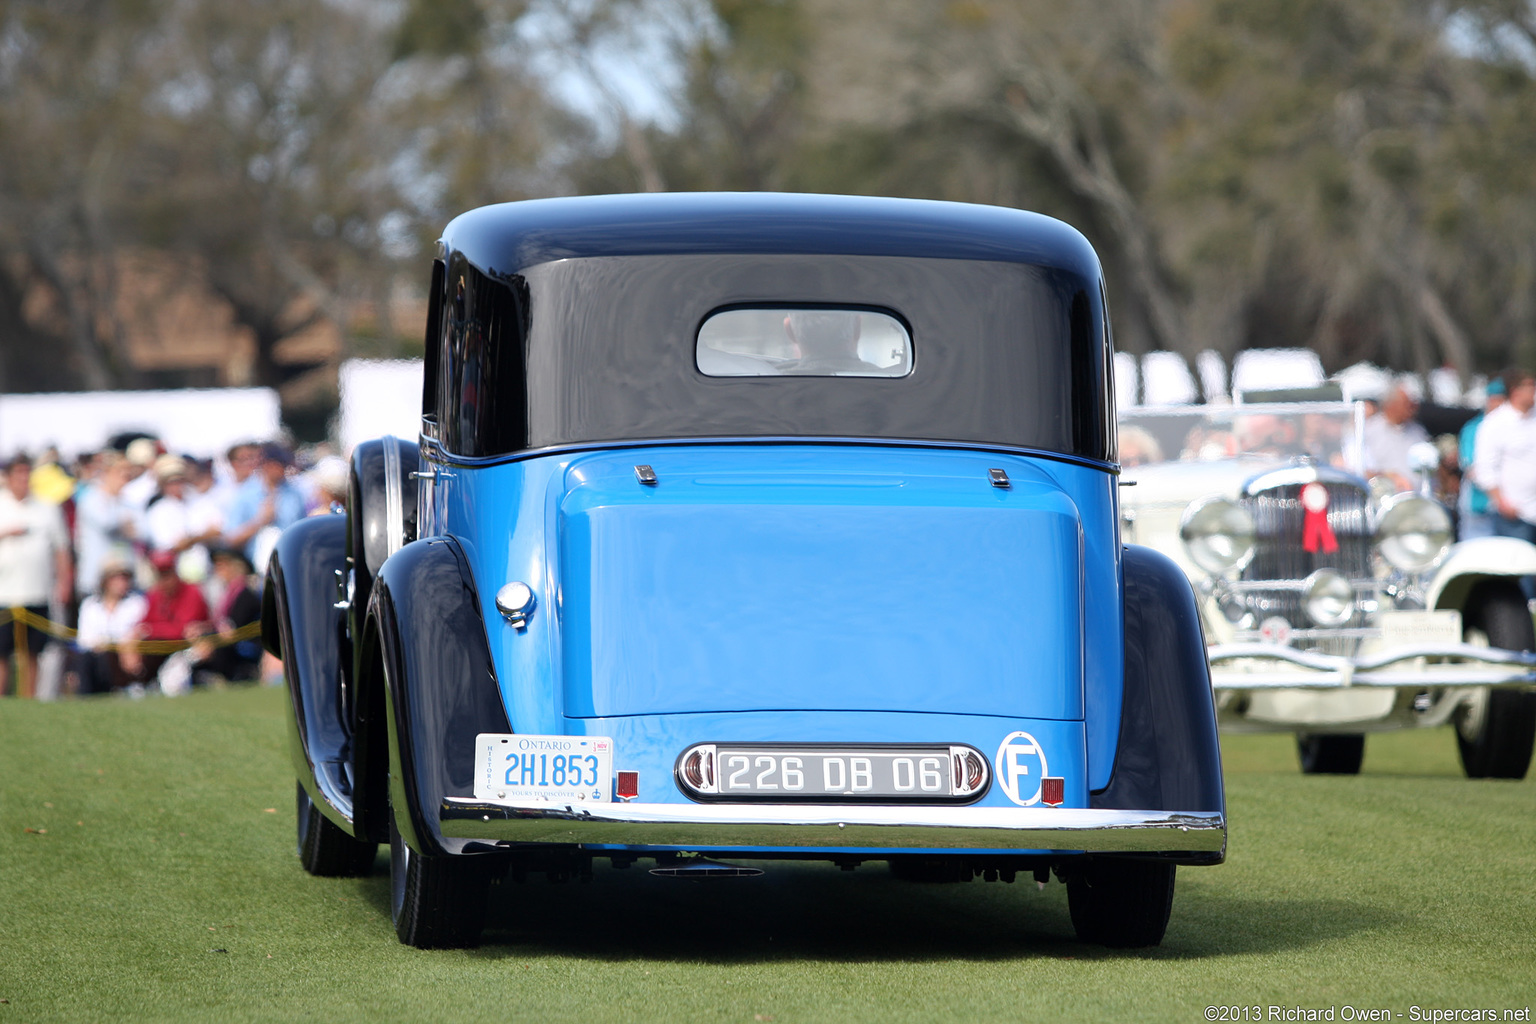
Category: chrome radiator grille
[1279,555]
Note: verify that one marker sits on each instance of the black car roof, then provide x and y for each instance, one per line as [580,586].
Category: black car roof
[559,322]
[507,238]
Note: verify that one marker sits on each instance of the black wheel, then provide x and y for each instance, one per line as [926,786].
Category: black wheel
[1330,753]
[1122,903]
[437,902]
[1496,728]
[325,849]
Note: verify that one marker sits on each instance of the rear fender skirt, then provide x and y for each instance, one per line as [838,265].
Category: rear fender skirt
[424,622]
[301,624]
[1168,756]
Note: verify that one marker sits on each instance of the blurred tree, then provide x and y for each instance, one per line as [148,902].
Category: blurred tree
[71,79]
[739,108]
[291,157]
[1349,175]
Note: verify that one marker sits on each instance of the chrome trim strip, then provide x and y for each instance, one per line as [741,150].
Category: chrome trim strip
[1361,586]
[1466,652]
[1411,679]
[1314,633]
[849,826]
[579,447]
[1286,476]
[1217,653]
[1334,671]
[394,500]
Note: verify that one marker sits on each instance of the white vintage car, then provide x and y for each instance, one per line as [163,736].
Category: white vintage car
[1332,607]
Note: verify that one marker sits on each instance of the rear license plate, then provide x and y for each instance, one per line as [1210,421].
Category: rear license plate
[558,769]
[884,773]
[1401,628]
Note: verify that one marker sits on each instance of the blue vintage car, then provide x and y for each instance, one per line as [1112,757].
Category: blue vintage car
[750,527]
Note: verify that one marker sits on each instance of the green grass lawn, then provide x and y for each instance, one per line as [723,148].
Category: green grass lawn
[147,871]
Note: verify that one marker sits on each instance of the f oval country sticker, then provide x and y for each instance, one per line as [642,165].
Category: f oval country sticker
[1021,767]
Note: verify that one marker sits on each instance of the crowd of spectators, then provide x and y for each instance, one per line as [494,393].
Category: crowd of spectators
[139,569]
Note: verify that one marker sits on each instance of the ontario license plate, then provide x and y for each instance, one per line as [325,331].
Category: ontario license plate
[895,772]
[557,769]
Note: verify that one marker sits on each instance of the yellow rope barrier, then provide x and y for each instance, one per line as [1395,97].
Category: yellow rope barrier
[21,618]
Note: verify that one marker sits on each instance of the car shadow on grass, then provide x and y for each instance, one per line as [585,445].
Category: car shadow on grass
[812,911]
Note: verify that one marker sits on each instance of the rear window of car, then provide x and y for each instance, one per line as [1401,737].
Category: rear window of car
[788,341]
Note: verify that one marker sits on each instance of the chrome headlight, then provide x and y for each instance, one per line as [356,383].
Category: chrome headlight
[1218,534]
[1414,532]
[1328,598]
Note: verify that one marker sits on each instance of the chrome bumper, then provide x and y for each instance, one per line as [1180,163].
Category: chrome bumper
[844,827]
[1289,668]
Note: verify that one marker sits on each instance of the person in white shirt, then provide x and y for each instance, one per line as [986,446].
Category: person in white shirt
[141,455]
[35,567]
[1389,434]
[108,618]
[205,515]
[1504,460]
[105,524]
[172,523]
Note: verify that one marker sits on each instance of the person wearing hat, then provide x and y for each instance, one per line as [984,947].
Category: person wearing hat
[108,618]
[1474,517]
[169,520]
[141,454]
[268,504]
[175,610]
[237,605]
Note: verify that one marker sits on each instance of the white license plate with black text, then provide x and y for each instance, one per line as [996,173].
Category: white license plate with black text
[1404,628]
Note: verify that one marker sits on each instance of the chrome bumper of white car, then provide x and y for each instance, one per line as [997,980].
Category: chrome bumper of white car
[1274,666]
[831,827]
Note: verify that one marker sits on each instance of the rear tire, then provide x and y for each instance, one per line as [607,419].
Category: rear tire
[325,849]
[1121,903]
[1495,734]
[437,902]
[1330,753]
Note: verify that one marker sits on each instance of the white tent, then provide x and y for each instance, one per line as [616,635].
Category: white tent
[203,422]
[1127,380]
[1166,380]
[378,397]
[1259,369]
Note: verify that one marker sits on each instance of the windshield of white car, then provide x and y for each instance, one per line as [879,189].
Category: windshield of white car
[1329,433]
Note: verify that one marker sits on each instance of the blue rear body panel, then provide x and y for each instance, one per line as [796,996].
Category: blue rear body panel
[801,593]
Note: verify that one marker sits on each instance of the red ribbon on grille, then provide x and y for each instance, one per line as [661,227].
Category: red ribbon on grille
[1316,534]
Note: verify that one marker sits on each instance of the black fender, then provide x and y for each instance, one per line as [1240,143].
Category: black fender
[381,504]
[425,634]
[302,625]
[1168,756]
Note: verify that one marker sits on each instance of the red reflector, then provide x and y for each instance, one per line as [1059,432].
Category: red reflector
[973,771]
[628,785]
[1052,791]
